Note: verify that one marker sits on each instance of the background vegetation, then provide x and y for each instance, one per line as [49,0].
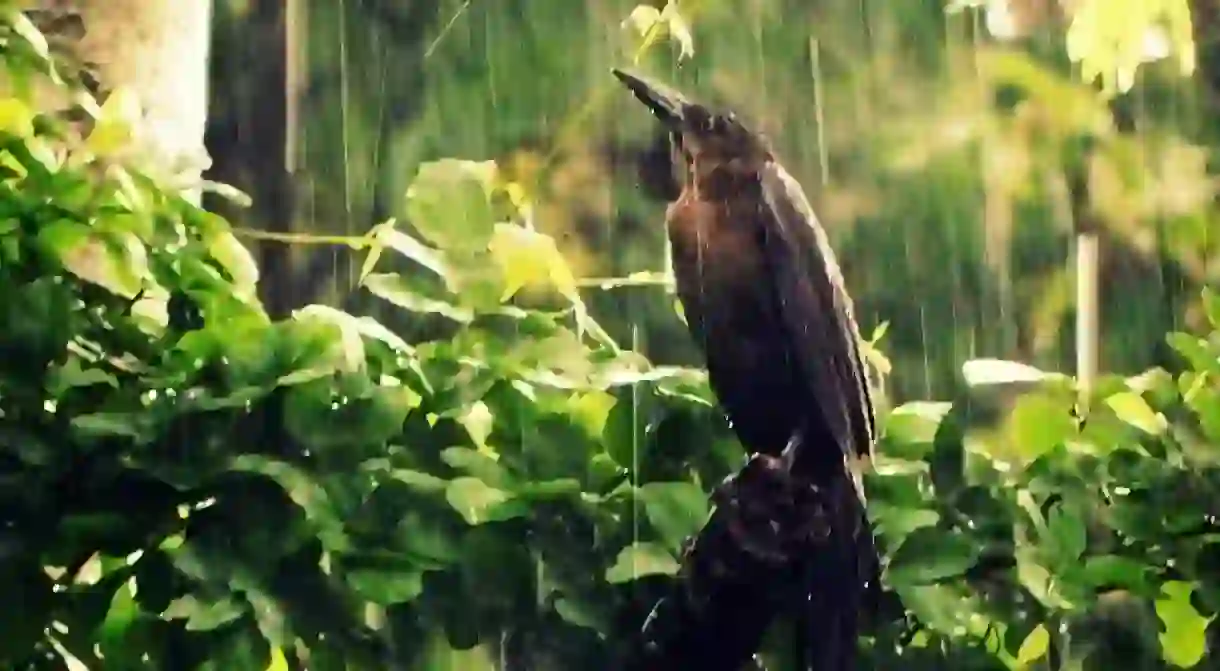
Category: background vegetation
[498,472]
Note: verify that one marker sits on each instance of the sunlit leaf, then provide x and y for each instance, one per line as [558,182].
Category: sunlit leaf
[639,560]
[1039,423]
[1035,646]
[649,23]
[16,118]
[528,259]
[1211,306]
[928,556]
[643,18]
[30,33]
[915,422]
[236,259]
[1134,410]
[1066,531]
[278,661]
[397,290]
[478,421]
[114,129]
[997,371]
[676,510]
[449,202]
[204,615]
[478,502]
[1184,639]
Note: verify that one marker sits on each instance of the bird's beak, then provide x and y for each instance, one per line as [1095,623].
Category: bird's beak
[667,104]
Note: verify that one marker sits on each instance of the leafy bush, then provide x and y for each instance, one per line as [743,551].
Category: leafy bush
[186,483]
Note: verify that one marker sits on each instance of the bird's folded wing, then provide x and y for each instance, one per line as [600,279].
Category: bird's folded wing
[817,312]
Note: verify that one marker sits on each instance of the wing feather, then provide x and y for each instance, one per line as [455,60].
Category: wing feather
[817,312]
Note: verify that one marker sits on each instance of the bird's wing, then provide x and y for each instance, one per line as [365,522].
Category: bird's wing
[816,311]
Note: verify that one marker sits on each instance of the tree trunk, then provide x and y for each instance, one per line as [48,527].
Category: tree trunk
[158,51]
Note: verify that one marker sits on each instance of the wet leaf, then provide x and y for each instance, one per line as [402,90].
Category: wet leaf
[980,372]
[477,502]
[1134,410]
[449,202]
[397,290]
[236,259]
[929,555]
[675,509]
[915,423]
[114,129]
[639,560]
[530,259]
[1035,646]
[386,587]
[16,118]
[1184,639]
[204,615]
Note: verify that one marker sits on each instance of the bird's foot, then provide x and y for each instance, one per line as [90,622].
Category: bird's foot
[771,514]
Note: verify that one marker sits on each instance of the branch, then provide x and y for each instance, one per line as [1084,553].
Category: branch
[742,569]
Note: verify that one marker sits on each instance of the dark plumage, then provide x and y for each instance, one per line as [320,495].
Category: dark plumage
[764,298]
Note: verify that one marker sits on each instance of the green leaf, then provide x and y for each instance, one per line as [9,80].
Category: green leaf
[639,560]
[387,587]
[478,422]
[896,522]
[979,372]
[1035,646]
[913,425]
[416,251]
[548,490]
[1184,639]
[304,491]
[676,510]
[29,32]
[16,118]
[1211,306]
[590,411]
[482,464]
[236,259]
[420,481]
[1196,352]
[278,661]
[109,424]
[1067,533]
[449,203]
[118,262]
[477,502]
[929,555]
[649,23]
[395,289]
[347,346]
[1114,571]
[1039,423]
[529,259]
[580,613]
[1039,581]
[114,129]
[204,615]
[1134,410]
[72,375]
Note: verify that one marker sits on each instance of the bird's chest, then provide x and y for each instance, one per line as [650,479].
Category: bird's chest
[729,299]
[719,267]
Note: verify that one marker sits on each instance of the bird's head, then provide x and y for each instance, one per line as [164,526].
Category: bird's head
[708,141]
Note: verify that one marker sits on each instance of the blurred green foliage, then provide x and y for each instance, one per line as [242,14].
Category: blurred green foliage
[185,483]
[936,147]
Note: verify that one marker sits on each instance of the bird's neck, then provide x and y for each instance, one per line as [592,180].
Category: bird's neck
[720,181]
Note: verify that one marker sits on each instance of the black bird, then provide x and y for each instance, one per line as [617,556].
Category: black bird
[764,298]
